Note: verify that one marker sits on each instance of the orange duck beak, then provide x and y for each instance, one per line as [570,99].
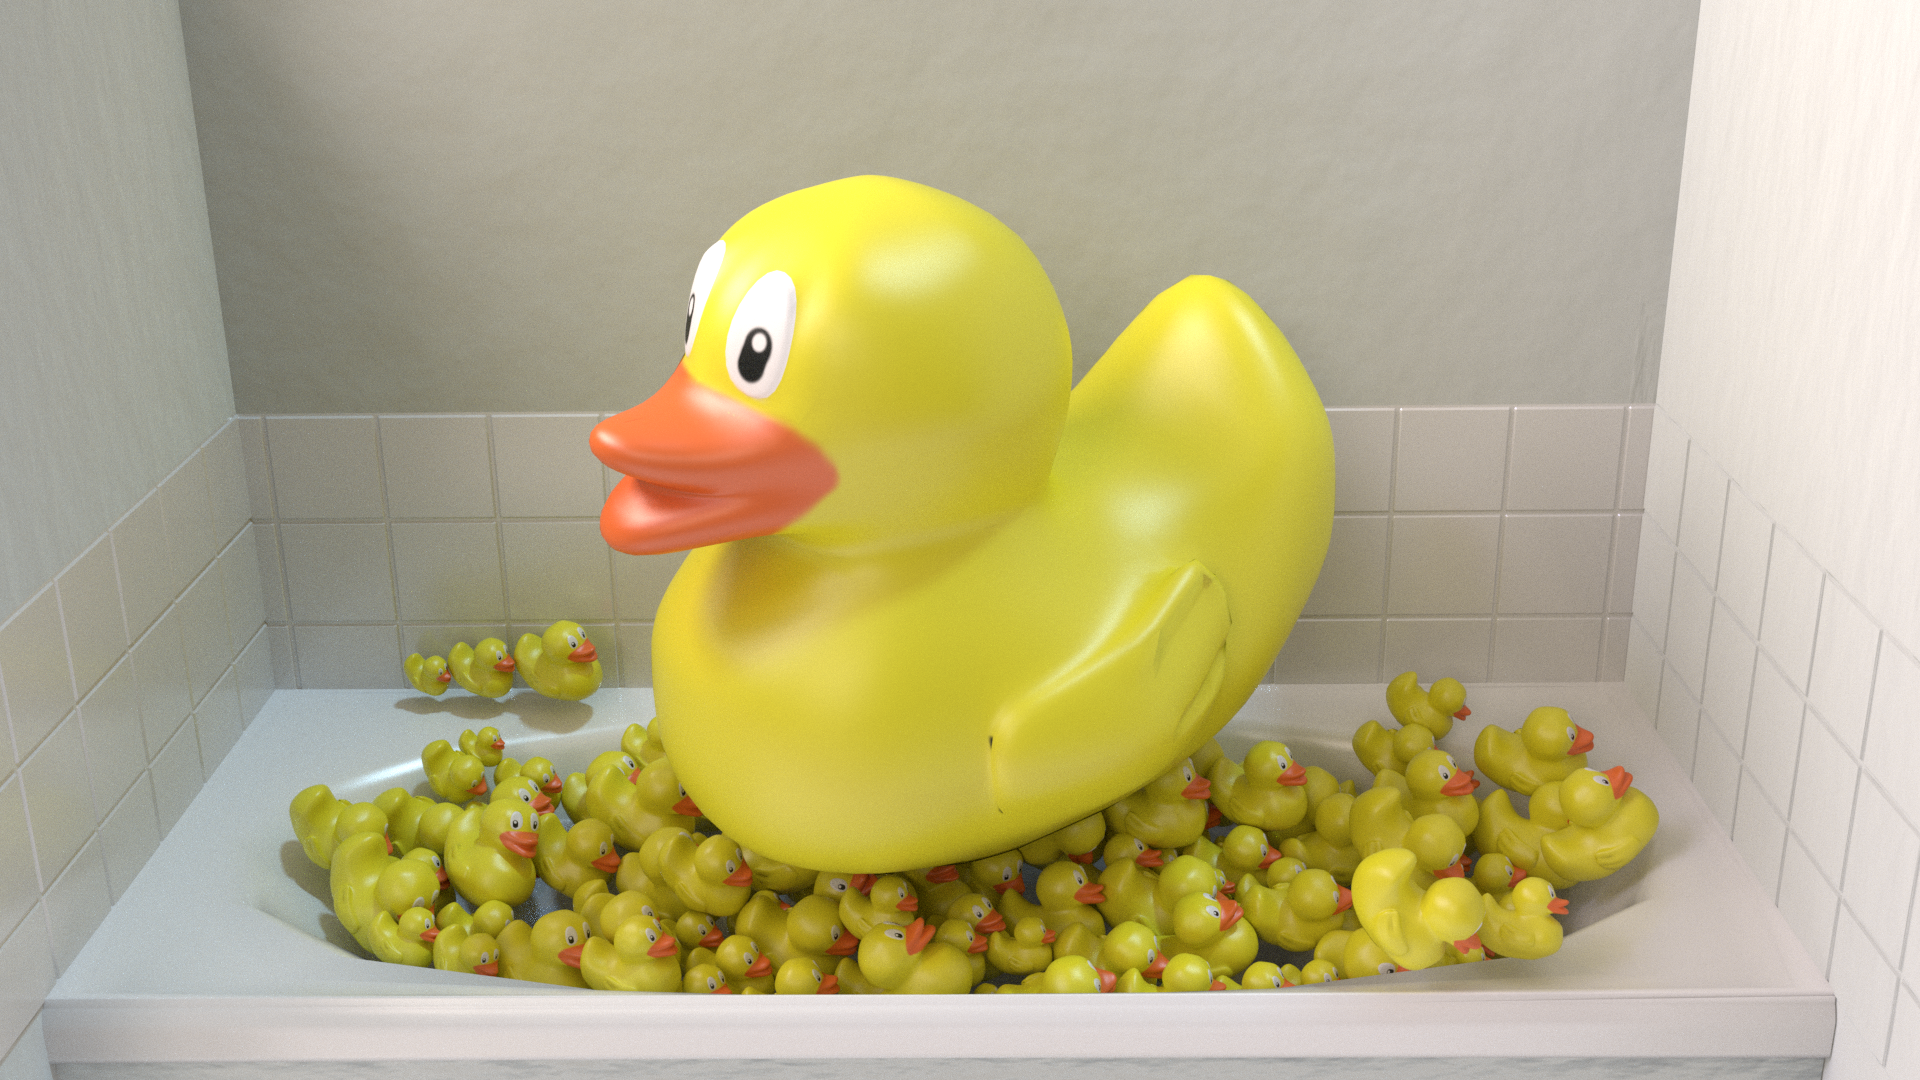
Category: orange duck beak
[1295,776]
[1463,713]
[1091,893]
[505,663]
[846,946]
[1557,905]
[1346,899]
[585,654]
[499,744]
[702,468]
[976,944]
[740,877]
[1156,968]
[447,676]
[940,875]
[491,967]
[686,807]
[712,939]
[542,804]
[551,785]
[608,863]
[760,966]
[1151,859]
[668,945]
[1230,912]
[1582,741]
[993,923]
[523,843]
[570,955]
[829,985]
[429,934]
[1621,780]
[1462,783]
[1199,788]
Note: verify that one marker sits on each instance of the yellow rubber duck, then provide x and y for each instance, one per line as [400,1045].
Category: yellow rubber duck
[1266,975]
[423,823]
[455,776]
[366,879]
[428,674]
[1495,875]
[1438,785]
[1360,956]
[1379,818]
[1183,877]
[1295,915]
[1244,850]
[974,910]
[537,769]
[705,978]
[549,951]
[1379,748]
[1132,946]
[1507,831]
[1079,842]
[607,912]
[560,663]
[1320,786]
[888,900]
[319,817]
[700,934]
[1268,790]
[1434,709]
[490,851]
[640,956]
[1411,924]
[1029,948]
[1187,972]
[994,875]
[1609,821]
[1170,812]
[1130,880]
[937,887]
[907,960]
[747,968]
[960,511]
[484,744]
[643,742]
[1075,975]
[958,934]
[1546,747]
[406,940]
[1214,926]
[573,790]
[485,669]
[637,800]
[1524,925]
[1067,894]
[774,874]
[803,975]
[705,872]
[462,949]
[1330,845]
[569,858]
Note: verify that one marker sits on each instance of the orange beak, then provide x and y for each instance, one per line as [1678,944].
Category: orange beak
[1199,788]
[608,863]
[551,785]
[668,945]
[760,966]
[1462,783]
[491,967]
[686,807]
[846,946]
[1230,912]
[1582,741]
[740,877]
[542,804]
[1463,713]
[909,902]
[505,663]
[499,744]
[445,676]
[1557,905]
[1107,980]
[1049,937]
[1295,776]
[1621,780]
[585,654]
[993,923]
[429,933]
[1514,879]
[441,873]
[712,939]
[940,875]
[976,944]
[523,843]
[1091,893]
[1272,856]
[702,468]
[479,787]
[1150,858]
[1154,969]
[918,935]
[388,840]
[1456,868]
[724,990]
[1469,944]
[570,955]
[829,985]
[1085,858]
[1346,899]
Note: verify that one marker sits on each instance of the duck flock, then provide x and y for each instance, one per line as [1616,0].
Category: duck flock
[1262,873]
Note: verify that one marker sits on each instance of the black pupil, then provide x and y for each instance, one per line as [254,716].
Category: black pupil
[754,354]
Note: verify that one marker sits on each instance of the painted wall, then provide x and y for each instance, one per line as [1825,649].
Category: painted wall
[487,207]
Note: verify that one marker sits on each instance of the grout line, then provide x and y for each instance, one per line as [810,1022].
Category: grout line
[279,555]
[1500,544]
[386,531]
[1386,587]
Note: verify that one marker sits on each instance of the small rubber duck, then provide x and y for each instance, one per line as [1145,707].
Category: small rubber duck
[1213,926]
[316,812]
[484,744]
[1546,747]
[366,879]
[1132,946]
[705,872]
[489,853]
[814,930]
[1296,914]
[1495,875]
[1187,972]
[640,956]
[1184,876]
[706,978]
[1379,818]
[1609,822]
[1075,975]
[1411,924]
[1379,748]
[537,769]
[994,875]
[455,776]
[1435,709]
[459,948]
[937,887]
[526,791]
[957,933]
[1129,880]
[560,663]
[1066,893]
[803,975]
[428,674]
[432,859]
[1524,925]
[771,873]
[1268,791]
[1029,948]
[1505,830]
[1244,850]
[1170,812]
[636,800]
[907,960]
[423,823]
[569,858]
[607,912]
[1330,845]
[1079,842]
[1440,786]
[407,940]
[485,669]
[973,909]
[1267,975]
[701,934]
[746,967]
[1313,971]
[886,900]
[1361,956]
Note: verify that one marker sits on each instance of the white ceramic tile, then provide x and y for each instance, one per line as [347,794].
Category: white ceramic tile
[1808,902]
[1633,459]
[437,466]
[1759,834]
[348,657]
[160,666]
[90,610]
[286,673]
[1450,459]
[1745,544]
[543,467]
[1626,559]
[129,835]
[217,722]
[325,467]
[273,585]
[337,573]
[1555,564]
[1729,678]
[1823,792]
[116,744]
[1883,853]
[1792,609]
[1903,1050]
[1702,513]
[1644,669]
[1443,565]
[1362,459]
[1678,720]
[20,885]
[76,903]
[33,668]
[1613,647]
[187,508]
[1317,651]
[557,570]
[636,652]
[639,581]
[1653,584]
[26,974]
[253,673]
[202,612]
[1565,457]
[253,454]
[145,565]
[1352,581]
[1773,732]
[1843,654]
[227,484]
[177,777]
[1864,984]
[448,571]
[1893,725]
[1437,647]
[240,580]
[59,800]
[1666,472]
[1689,624]
[1716,775]
[1545,650]
[1853,1058]
[28,1058]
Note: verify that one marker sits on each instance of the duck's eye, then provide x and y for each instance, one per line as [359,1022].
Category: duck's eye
[1550,893]
[833,933]
[1446,773]
[652,935]
[731,867]
[761,334]
[838,885]
[1006,873]
[978,914]
[1151,957]
[1213,911]
[513,821]
[1571,734]
[573,936]
[1079,878]
[419,901]
[603,847]
[1187,774]
[817,977]
[1601,779]
[523,796]
[1326,976]
[703,276]
[1387,968]
[629,762]
[896,935]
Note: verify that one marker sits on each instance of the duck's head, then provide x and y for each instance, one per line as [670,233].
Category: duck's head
[1066,883]
[1591,798]
[1535,896]
[494,653]
[1315,895]
[961,935]
[569,640]
[1272,763]
[1436,840]
[432,859]
[891,952]
[1128,846]
[814,925]
[1549,733]
[524,790]
[1132,945]
[698,927]
[802,975]
[1247,846]
[590,842]
[1493,872]
[1001,873]
[718,861]
[642,938]
[510,826]
[866,362]
[1180,782]
[740,957]
[1075,975]
[405,884]
[1433,774]
[1185,875]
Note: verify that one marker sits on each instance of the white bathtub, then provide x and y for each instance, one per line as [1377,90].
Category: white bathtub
[218,952]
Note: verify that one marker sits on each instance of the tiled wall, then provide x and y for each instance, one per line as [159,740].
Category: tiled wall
[123,683]
[1480,542]
[1800,719]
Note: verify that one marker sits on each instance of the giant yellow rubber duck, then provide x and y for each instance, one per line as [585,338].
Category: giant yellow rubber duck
[936,606]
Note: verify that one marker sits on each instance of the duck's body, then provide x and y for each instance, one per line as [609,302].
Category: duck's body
[1295,915]
[641,956]
[1524,924]
[1214,928]
[1507,831]
[1029,948]
[548,951]
[1268,790]
[428,674]
[907,960]
[997,562]
[1546,747]
[456,776]
[1169,812]
[490,851]
[1379,747]
[1434,708]
[1412,924]
[1438,785]
[407,940]
[569,858]
[485,669]
[485,745]
[1608,822]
